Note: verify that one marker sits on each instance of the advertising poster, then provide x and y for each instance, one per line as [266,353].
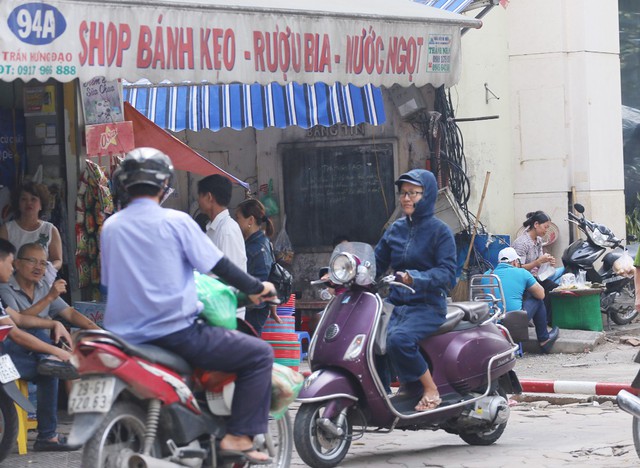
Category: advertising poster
[39,100]
[102,101]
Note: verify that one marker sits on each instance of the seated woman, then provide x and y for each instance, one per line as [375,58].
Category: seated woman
[29,202]
[532,257]
[421,250]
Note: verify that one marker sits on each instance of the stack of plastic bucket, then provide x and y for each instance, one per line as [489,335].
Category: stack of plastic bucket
[283,337]
[286,348]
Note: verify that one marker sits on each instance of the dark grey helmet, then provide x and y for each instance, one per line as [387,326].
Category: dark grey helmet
[148,166]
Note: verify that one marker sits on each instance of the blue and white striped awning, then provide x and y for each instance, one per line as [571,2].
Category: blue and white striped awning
[238,106]
[455,6]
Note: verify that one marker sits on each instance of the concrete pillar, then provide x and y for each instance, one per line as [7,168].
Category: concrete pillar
[564,73]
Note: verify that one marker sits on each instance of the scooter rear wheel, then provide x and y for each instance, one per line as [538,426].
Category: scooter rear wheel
[119,436]
[316,446]
[487,436]
[623,311]
[8,425]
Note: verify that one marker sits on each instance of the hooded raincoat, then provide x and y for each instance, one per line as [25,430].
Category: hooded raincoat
[424,247]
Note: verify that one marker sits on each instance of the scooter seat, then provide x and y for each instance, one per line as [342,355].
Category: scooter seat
[474,312]
[453,318]
[161,356]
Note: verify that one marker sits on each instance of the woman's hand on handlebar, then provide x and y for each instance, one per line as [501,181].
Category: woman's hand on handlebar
[268,294]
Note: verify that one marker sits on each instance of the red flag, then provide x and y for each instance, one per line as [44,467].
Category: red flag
[147,133]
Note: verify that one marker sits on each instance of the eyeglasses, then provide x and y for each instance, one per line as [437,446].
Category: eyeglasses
[34,261]
[412,194]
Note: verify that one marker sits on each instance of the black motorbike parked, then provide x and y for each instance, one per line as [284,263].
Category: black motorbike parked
[618,297]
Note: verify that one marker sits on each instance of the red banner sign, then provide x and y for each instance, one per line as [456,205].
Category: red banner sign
[111,138]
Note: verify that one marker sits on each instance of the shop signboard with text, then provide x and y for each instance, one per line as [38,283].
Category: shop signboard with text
[65,40]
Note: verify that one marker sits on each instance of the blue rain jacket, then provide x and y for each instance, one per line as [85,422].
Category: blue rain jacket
[423,246]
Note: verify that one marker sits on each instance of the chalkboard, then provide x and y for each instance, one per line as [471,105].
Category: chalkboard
[334,190]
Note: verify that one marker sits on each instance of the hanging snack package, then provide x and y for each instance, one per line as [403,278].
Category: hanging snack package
[283,247]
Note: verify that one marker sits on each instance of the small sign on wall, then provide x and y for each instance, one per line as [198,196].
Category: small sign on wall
[111,138]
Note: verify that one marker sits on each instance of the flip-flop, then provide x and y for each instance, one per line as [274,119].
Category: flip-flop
[428,403]
[244,454]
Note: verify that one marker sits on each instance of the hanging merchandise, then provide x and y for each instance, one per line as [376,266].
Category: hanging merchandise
[269,200]
[93,205]
[283,247]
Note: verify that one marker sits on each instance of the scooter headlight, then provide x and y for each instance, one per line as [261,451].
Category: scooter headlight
[600,239]
[343,268]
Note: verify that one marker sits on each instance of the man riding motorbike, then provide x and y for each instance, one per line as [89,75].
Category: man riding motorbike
[148,254]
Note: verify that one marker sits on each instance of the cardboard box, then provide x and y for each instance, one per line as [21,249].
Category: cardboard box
[92,310]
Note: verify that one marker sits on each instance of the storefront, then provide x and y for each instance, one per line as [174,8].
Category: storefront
[48,50]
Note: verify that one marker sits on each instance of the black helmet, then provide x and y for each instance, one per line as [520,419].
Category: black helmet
[148,166]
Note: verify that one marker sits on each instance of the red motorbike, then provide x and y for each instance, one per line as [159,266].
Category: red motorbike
[143,406]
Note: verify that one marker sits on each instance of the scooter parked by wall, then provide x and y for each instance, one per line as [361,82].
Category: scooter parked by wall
[143,406]
[9,393]
[630,403]
[618,297]
[471,358]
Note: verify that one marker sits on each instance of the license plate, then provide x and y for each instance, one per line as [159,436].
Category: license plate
[93,395]
[8,371]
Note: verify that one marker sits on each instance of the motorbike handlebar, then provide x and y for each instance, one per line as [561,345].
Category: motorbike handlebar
[391,279]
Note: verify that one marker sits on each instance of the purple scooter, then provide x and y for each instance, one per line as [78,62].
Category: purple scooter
[471,358]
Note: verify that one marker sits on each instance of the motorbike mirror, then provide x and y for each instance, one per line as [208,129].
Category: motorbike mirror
[579,208]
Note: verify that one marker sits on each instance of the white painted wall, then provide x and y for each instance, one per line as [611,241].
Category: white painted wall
[555,66]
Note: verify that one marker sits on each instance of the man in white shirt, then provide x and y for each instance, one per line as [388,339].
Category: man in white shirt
[214,196]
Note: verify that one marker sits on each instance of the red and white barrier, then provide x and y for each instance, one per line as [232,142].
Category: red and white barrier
[575,387]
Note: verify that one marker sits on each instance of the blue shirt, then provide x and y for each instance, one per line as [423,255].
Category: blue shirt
[148,254]
[515,281]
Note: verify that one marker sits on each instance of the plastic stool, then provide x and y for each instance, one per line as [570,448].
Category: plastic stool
[24,423]
[303,335]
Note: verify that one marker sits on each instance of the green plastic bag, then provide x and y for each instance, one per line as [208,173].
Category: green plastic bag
[270,201]
[220,302]
[285,386]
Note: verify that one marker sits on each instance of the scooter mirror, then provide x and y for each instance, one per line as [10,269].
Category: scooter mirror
[579,208]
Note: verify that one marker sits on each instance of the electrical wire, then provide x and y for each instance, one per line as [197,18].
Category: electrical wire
[446,145]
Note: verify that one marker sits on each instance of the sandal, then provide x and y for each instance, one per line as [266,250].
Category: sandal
[244,454]
[426,403]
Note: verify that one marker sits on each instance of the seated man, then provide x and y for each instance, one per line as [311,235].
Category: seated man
[36,346]
[523,292]
[27,293]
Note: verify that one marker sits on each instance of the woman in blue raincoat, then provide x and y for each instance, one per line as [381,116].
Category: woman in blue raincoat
[421,248]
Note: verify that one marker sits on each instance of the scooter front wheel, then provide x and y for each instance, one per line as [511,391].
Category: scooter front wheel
[8,425]
[318,445]
[636,435]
